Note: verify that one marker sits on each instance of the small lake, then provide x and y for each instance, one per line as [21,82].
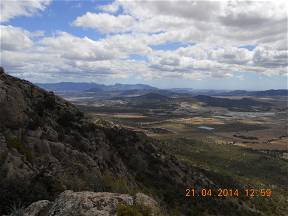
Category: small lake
[206,127]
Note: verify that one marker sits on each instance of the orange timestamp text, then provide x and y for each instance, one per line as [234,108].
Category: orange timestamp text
[228,192]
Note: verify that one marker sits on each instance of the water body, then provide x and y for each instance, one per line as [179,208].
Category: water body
[206,127]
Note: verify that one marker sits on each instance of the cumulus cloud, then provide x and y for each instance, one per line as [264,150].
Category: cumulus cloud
[212,37]
[194,21]
[110,8]
[13,8]
[72,47]
[245,14]
[13,38]
[104,22]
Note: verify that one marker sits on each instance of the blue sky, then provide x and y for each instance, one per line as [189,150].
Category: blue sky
[201,45]
[58,17]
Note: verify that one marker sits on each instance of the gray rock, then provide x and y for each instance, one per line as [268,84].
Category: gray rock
[51,134]
[87,203]
[37,208]
[144,200]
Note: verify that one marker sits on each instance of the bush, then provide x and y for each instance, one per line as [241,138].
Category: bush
[14,142]
[133,210]
[126,210]
[117,184]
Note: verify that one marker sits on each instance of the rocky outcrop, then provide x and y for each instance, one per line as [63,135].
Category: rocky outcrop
[86,203]
[39,208]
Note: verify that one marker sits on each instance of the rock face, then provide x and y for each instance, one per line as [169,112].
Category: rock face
[71,203]
[88,203]
[39,208]
[48,146]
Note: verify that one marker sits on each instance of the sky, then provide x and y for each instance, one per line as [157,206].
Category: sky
[167,44]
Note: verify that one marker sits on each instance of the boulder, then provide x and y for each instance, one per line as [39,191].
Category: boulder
[87,203]
[144,200]
[37,208]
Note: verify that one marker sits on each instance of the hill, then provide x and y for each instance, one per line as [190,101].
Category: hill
[243,104]
[150,100]
[265,93]
[48,146]
[152,96]
[122,88]
[92,87]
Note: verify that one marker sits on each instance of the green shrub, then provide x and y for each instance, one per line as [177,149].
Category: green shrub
[117,184]
[14,142]
[133,210]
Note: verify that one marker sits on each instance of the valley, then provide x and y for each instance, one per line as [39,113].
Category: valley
[236,144]
[164,117]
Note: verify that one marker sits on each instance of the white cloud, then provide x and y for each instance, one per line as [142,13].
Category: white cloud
[13,38]
[198,21]
[270,58]
[13,8]
[212,32]
[251,14]
[104,22]
[72,47]
[110,8]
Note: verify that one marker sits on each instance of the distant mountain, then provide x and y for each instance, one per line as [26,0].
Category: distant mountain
[69,86]
[92,87]
[140,89]
[244,104]
[150,101]
[271,92]
[122,87]
[125,87]
[152,96]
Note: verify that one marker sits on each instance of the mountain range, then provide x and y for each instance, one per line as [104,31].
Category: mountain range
[92,87]
[130,89]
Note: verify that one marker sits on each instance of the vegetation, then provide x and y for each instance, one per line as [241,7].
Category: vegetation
[244,104]
[134,210]
[117,184]
[15,142]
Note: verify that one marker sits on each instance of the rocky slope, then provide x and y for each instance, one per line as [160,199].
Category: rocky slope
[47,146]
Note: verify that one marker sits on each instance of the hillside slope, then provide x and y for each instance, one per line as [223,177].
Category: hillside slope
[47,146]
